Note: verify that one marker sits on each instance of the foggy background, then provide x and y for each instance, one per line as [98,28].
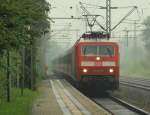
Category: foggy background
[64,33]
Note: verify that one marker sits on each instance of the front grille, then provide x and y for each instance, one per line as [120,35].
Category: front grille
[98,71]
[97,77]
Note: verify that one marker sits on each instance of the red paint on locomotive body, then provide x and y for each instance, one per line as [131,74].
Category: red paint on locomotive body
[96,61]
[98,68]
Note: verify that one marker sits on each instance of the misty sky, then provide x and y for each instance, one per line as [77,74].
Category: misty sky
[68,8]
[62,9]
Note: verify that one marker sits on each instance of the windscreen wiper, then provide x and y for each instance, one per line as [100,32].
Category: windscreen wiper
[84,51]
[109,52]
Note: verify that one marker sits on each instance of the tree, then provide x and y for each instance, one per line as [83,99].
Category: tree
[15,18]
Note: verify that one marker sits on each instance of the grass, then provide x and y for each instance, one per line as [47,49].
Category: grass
[19,105]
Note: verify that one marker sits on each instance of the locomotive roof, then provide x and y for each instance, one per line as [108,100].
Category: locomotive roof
[98,40]
[112,41]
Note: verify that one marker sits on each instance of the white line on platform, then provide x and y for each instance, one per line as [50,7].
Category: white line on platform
[83,96]
[74,100]
[60,101]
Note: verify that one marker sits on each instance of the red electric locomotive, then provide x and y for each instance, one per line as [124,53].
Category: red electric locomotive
[92,62]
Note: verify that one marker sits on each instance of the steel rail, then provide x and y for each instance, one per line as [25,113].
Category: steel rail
[101,105]
[135,85]
[122,103]
[130,106]
[142,83]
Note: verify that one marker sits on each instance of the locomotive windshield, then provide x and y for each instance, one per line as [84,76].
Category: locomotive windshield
[97,50]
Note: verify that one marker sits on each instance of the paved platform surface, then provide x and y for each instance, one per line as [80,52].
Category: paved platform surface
[60,98]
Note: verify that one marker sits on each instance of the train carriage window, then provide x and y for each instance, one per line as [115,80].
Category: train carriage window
[97,50]
[106,50]
[89,50]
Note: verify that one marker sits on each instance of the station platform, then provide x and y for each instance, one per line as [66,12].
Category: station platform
[60,98]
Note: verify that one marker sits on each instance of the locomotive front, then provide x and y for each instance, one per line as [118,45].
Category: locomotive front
[98,63]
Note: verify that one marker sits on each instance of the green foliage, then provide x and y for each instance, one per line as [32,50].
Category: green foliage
[21,105]
[22,23]
[16,16]
[2,78]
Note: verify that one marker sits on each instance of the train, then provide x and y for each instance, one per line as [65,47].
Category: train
[91,63]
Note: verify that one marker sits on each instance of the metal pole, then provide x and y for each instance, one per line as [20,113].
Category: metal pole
[108,17]
[135,29]
[127,37]
[135,40]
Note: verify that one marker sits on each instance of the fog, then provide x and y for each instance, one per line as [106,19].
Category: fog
[64,33]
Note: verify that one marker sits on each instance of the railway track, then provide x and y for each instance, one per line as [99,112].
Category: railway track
[117,106]
[143,84]
[134,79]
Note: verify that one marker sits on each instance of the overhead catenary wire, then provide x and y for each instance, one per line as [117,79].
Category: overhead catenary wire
[103,7]
[87,12]
[129,13]
[132,23]
[59,31]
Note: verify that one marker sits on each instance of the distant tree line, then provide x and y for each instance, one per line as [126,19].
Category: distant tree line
[22,25]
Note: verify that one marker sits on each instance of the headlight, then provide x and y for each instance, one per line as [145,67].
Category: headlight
[85,70]
[97,58]
[111,70]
